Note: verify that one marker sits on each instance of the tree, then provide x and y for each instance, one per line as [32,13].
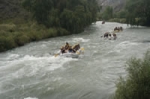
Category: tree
[108,13]
[136,85]
[72,15]
[121,14]
[138,9]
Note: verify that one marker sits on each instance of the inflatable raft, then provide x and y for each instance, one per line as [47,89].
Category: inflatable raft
[70,54]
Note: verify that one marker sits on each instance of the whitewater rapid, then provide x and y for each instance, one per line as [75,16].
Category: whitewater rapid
[33,71]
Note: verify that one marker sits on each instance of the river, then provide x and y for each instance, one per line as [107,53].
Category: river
[32,71]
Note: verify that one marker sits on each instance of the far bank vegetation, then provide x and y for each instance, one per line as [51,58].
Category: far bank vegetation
[136,85]
[46,19]
[135,12]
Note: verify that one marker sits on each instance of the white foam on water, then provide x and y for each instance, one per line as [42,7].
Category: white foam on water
[9,57]
[29,66]
[27,59]
[31,98]
[126,44]
[58,62]
[80,40]
[12,56]
[123,46]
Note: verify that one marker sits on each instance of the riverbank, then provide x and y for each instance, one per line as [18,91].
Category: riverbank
[26,21]
[13,35]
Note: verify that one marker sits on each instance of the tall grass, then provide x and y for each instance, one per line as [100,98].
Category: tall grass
[120,20]
[137,84]
[14,35]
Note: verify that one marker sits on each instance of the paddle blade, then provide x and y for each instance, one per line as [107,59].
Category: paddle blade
[56,54]
[82,49]
[78,52]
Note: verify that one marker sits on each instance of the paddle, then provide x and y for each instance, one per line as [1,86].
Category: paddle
[78,52]
[81,49]
[56,54]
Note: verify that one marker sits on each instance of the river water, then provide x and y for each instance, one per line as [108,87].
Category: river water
[32,71]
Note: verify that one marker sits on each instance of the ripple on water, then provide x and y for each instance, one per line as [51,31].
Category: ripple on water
[30,72]
[31,98]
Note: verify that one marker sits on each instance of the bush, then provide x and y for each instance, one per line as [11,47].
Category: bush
[137,84]
[62,32]
[8,27]
[120,20]
[52,32]
[25,33]
[6,43]
[21,39]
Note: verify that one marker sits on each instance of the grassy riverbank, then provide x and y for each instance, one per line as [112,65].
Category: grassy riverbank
[14,35]
[25,21]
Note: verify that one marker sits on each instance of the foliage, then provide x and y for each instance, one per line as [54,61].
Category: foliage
[137,85]
[120,20]
[138,9]
[53,18]
[121,14]
[107,13]
[72,15]
[25,33]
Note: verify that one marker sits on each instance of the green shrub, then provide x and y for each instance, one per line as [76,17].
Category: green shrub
[22,39]
[62,31]
[8,27]
[137,84]
[52,32]
[25,33]
[120,20]
[6,43]
[32,34]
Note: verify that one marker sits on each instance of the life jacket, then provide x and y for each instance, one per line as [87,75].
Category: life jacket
[62,50]
[76,47]
[66,46]
[114,34]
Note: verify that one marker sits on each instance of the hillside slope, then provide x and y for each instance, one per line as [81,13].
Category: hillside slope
[116,4]
[11,9]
